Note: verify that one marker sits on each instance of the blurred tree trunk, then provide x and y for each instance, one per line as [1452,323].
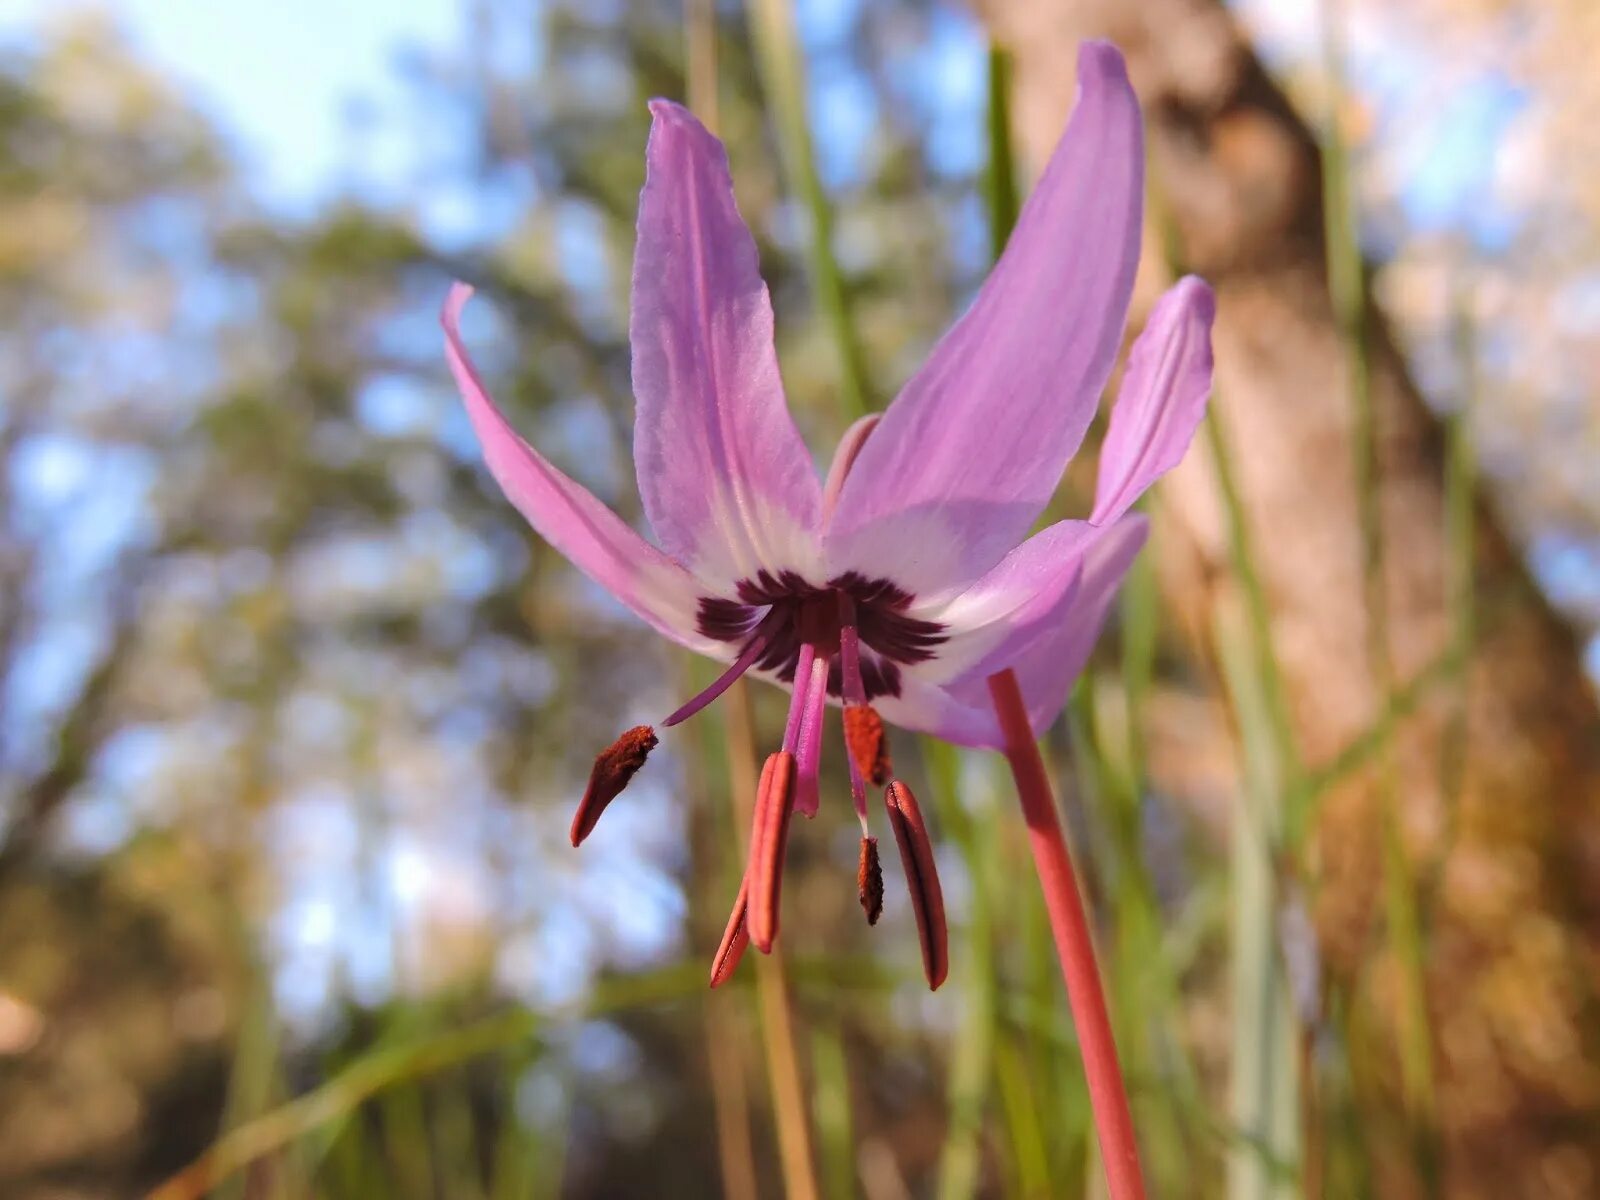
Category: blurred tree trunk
[1512,950]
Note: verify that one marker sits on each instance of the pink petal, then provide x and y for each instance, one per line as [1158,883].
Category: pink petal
[844,458]
[1163,398]
[1034,579]
[1049,652]
[727,483]
[597,541]
[968,456]
[927,708]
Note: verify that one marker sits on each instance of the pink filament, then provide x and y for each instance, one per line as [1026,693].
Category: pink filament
[724,681]
[807,796]
[797,700]
[747,658]
[858,790]
[855,692]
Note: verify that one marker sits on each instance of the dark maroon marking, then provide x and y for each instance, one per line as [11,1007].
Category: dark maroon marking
[889,638]
[726,620]
[768,589]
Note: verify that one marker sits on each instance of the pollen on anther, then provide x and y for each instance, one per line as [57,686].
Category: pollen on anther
[869,880]
[614,767]
[868,745]
[922,880]
[769,835]
[734,939]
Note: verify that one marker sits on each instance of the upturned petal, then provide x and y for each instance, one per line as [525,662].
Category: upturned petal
[1163,397]
[929,708]
[1034,579]
[968,455]
[597,541]
[726,480]
[844,458]
[1048,652]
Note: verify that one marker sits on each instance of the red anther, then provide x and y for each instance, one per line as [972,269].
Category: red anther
[734,939]
[769,833]
[922,880]
[869,880]
[864,736]
[613,768]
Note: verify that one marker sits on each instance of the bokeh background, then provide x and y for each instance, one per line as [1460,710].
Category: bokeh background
[293,709]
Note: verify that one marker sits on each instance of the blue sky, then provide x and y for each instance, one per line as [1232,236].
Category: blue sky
[279,76]
[283,77]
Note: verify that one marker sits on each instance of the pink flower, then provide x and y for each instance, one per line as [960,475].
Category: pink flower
[901,582]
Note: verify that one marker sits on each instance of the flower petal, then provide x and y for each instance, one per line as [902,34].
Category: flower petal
[844,458]
[597,541]
[1032,580]
[1163,397]
[968,455]
[1048,652]
[927,708]
[727,483]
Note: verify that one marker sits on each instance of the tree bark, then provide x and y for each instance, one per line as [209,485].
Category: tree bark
[1512,947]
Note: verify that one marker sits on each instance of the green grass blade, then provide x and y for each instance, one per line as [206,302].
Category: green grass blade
[386,1068]
[782,65]
[1000,176]
[830,1102]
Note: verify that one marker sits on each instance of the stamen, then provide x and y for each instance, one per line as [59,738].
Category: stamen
[769,833]
[797,698]
[858,791]
[869,880]
[863,728]
[869,746]
[734,939]
[613,768]
[850,683]
[922,879]
[807,795]
[747,659]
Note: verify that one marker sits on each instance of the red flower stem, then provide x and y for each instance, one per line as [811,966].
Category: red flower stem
[1108,1098]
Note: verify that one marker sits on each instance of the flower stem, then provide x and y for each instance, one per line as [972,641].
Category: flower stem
[1108,1098]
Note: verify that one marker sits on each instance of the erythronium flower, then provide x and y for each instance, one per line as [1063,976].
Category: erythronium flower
[899,583]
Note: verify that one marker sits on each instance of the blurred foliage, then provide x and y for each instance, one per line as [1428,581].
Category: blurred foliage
[1473,128]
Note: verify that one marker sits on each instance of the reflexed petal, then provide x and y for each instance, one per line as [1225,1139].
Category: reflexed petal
[1163,397]
[597,541]
[927,708]
[1032,580]
[844,458]
[968,455]
[726,481]
[1049,652]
